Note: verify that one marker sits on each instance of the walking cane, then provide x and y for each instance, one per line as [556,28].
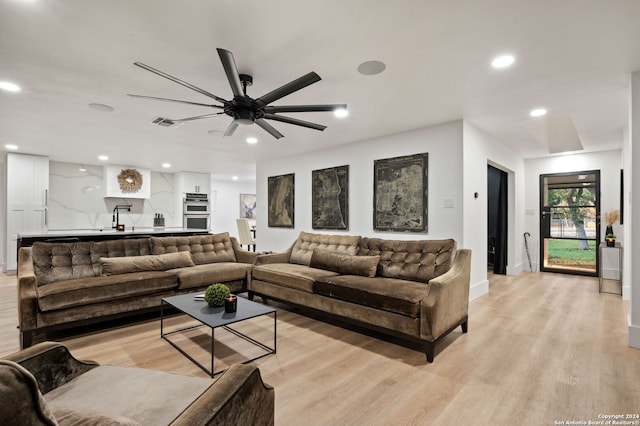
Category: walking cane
[526,247]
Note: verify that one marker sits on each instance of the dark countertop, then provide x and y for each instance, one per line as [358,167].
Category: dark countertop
[26,239]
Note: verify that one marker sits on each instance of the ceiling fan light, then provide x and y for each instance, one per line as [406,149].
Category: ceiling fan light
[341,112]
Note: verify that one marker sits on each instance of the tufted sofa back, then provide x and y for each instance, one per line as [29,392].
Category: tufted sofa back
[420,260]
[305,244]
[66,261]
[204,248]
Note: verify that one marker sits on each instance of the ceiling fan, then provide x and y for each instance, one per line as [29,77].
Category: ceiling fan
[244,109]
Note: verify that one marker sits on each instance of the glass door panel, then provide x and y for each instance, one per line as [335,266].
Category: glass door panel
[569,222]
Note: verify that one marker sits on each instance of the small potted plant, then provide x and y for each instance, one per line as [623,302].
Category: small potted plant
[611,240]
[216,293]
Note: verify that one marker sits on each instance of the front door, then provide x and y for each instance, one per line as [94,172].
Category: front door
[570,222]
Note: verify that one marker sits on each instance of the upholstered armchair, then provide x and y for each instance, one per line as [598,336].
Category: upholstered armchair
[46,385]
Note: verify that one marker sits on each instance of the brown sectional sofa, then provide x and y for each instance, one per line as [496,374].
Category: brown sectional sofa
[46,385]
[72,283]
[416,289]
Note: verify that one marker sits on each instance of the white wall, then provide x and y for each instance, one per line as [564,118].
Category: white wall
[444,145]
[608,162]
[3,209]
[479,151]
[634,210]
[225,203]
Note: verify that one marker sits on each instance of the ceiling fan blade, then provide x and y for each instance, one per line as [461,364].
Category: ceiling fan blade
[269,128]
[230,68]
[182,83]
[303,108]
[198,117]
[232,128]
[174,100]
[295,121]
[289,88]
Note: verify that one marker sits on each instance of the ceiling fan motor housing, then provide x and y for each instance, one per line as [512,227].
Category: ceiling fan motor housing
[244,110]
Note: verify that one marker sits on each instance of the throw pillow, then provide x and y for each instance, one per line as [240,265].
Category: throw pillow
[345,264]
[155,262]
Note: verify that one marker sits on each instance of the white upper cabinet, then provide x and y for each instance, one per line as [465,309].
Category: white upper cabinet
[199,183]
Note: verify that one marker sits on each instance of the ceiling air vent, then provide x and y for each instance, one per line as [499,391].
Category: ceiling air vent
[165,122]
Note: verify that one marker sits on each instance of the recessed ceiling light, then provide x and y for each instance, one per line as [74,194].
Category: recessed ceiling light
[101,107]
[503,61]
[538,112]
[11,146]
[234,177]
[82,168]
[103,157]
[371,67]
[341,112]
[252,140]
[9,87]
[166,165]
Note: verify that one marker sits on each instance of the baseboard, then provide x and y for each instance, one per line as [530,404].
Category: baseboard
[634,334]
[479,289]
[514,270]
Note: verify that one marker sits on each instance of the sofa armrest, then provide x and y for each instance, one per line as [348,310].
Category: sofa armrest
[242,255]
[264,259]
[27,291]
[448,301]
[51,364]
[238,397]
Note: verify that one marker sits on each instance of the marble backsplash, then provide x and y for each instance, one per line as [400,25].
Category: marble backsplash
[76,200]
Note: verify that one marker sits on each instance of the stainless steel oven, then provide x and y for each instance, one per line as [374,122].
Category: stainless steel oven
[196,211]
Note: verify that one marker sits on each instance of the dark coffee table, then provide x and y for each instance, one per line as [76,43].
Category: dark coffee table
[215,317]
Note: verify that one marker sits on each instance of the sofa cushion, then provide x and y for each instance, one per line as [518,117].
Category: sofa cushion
[210,273]
[305,244]
[54,262]
[420,260]
[21,402]
[344,264]
[290,275]
[117,248]
[203,248]
[389,294]
[83,291]
[152,262]
[147,396]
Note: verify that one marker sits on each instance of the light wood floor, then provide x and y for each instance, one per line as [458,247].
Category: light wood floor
[540,348]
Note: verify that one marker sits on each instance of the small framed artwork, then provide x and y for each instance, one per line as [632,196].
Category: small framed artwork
[400,188]
[281,201]
[247,206]
[330,198]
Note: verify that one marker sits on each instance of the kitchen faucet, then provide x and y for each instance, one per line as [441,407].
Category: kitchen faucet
[115,221]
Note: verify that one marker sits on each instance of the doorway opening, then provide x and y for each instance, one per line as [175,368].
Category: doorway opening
[570,222]
[497,220]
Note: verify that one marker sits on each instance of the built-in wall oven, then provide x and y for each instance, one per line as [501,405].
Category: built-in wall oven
[196,211]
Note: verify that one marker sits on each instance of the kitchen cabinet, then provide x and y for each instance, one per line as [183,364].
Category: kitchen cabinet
[199,183]
[27,194]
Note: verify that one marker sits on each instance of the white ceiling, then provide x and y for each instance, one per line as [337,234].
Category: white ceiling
[573,57]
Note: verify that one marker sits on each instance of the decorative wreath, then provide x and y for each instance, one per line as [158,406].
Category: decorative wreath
[130,180]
